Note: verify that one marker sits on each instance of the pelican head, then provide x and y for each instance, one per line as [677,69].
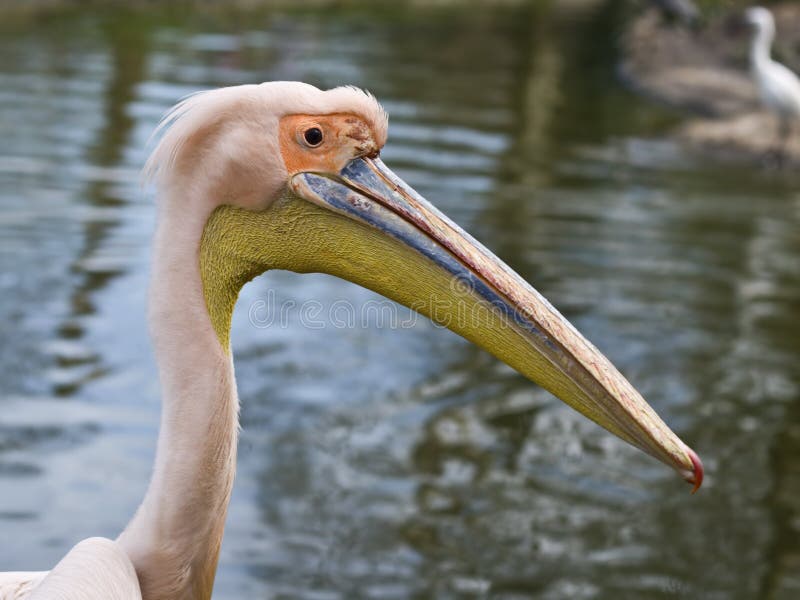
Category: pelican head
[286,176]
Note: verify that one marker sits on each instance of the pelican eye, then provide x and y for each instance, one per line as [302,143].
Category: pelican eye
[313,136]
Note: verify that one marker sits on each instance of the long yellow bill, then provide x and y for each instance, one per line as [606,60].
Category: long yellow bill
[388,238]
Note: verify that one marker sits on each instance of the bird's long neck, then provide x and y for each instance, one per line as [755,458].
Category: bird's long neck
[175,536]
[761,45]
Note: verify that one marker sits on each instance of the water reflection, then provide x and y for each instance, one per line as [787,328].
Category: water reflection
[412,465]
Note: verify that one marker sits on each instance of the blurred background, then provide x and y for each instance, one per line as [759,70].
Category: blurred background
[413,465]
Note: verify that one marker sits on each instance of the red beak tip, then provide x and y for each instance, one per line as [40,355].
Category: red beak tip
[696,476]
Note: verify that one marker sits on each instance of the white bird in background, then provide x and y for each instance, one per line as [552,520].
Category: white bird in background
[778,86]
[285,176]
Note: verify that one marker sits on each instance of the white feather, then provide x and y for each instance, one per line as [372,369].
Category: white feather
[95,568]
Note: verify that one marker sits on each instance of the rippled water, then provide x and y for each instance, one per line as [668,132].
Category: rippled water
[407,463]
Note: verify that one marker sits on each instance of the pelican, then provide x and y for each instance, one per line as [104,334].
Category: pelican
[282,175]
[778,86]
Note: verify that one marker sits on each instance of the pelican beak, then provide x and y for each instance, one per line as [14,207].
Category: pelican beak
[409,251]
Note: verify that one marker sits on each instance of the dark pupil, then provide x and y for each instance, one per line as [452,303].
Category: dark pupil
[313,136]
